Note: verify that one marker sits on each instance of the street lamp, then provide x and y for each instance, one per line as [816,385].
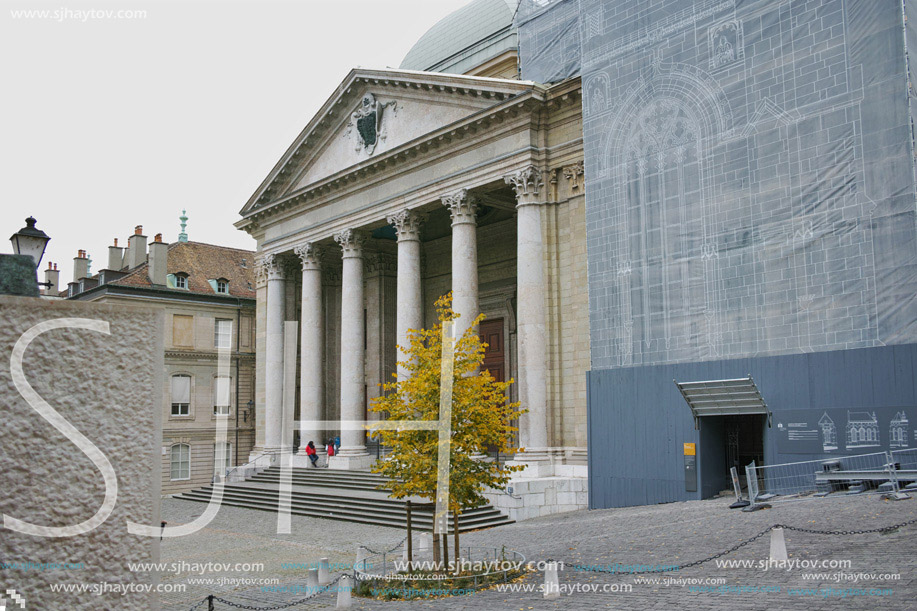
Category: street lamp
[30,241]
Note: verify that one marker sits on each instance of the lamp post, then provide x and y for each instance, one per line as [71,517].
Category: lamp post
[19,271]
[30,241]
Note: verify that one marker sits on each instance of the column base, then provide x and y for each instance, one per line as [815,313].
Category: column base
[351,459]
[302,461]
[550,462]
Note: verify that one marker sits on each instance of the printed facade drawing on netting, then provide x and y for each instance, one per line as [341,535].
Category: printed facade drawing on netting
[898,431]
[597,87]
[780,238]
[725,44]
[828,433]
[862,430]
[367,123]
[667,255]
[593,22]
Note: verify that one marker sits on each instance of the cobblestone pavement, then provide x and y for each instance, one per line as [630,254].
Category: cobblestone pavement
[670,534]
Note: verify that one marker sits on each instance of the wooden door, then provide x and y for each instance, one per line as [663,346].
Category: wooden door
[495,353]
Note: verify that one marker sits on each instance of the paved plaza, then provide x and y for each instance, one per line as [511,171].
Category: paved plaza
[670,534]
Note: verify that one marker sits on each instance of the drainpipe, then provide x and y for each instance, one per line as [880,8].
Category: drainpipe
[238,346]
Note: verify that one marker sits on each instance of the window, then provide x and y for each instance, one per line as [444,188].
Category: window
[222,334]
[222,457]
[182,330]
[181,281]
[181,395]
[223,286]
[221,385]
[180,461]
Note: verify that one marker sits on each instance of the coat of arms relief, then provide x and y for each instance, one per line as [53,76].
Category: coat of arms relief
[368,123]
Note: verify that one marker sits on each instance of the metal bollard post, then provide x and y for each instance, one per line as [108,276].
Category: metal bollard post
[210,602]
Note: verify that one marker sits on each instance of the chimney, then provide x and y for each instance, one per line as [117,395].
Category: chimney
[80,265]
[115,256]
[158,260]
[52,276]
[136,248]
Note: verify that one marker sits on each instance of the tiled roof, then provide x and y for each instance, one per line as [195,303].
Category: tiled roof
[202,262]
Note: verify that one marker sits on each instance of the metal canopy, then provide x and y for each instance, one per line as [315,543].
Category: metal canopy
[723,398]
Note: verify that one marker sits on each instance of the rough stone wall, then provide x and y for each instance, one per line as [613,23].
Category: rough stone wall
[110,388]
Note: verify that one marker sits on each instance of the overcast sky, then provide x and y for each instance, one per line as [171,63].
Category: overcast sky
[109,123]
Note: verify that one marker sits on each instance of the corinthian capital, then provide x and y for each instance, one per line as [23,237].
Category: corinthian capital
[351,241]
[270,267]
[527,183]
[462,205]
[407,225]
[310,255]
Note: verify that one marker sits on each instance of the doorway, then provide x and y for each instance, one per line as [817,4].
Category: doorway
[726,442]
[495,354]
[491,332]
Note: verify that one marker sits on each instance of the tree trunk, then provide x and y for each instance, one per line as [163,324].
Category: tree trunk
[446,547]
[455,544]
[435,549]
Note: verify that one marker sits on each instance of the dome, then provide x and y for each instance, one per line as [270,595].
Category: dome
[465,38]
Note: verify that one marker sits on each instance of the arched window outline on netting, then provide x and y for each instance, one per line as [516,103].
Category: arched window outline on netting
[664,173]
[700,100]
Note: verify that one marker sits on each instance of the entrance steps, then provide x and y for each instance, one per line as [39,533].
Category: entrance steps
[350,496]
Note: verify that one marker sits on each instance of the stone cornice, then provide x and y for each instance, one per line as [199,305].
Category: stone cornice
[479,123]
[205,356]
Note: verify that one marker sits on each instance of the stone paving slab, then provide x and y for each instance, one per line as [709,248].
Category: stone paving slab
[675,533]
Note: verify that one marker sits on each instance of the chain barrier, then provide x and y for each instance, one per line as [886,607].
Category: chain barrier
[884,530]
[293,603]
[374,552]
[198,605]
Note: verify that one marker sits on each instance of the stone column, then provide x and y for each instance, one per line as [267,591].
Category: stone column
[463,207]
[273,353]
[311,374]
[530,316]
[409,307]
[353,454]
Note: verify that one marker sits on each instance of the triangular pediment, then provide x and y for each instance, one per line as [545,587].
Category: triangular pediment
[373,112]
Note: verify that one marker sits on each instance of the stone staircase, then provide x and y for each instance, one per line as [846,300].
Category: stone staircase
[350,496]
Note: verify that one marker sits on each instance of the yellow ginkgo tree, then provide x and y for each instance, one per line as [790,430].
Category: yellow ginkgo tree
[482,419]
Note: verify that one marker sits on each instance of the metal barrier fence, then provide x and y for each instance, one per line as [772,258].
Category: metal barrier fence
[878,472]
[905,459]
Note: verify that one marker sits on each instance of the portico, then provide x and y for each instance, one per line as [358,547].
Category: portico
[405,186]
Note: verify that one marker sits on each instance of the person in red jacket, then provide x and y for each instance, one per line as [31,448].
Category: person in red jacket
[330,447]
[310,452]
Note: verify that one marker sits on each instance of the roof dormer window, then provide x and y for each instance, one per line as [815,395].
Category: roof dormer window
[220,285]
[177,281]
